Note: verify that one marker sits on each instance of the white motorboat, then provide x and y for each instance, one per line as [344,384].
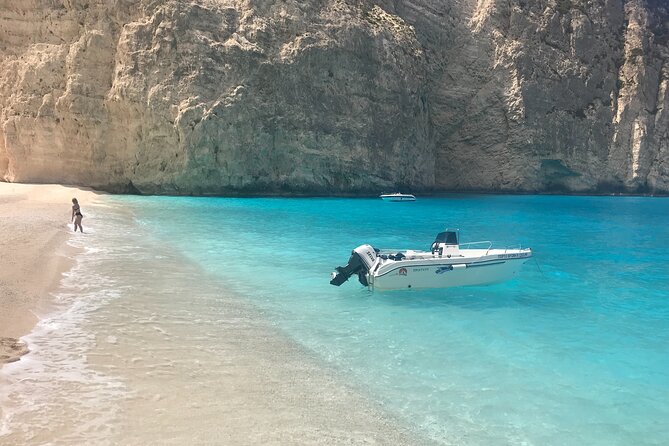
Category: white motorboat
[447,264]
[397,197]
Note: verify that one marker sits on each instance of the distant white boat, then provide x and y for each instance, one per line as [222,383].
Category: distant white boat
[447,264]
[397,197]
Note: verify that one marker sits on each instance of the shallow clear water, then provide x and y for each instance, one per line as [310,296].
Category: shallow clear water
[573,351]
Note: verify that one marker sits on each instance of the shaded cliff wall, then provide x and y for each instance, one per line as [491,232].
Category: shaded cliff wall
[336,96]
[554,95]
[212,96]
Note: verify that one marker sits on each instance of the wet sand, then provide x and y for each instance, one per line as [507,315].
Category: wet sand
[34,227]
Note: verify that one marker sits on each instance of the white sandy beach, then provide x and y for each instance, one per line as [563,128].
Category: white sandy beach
[34,226]
[155,378]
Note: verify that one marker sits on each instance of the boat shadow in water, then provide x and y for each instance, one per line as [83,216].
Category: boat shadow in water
[475,298]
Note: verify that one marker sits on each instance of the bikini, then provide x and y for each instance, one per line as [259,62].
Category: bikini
[77,210]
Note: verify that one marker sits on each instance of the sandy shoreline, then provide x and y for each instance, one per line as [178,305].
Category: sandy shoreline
[34,228]
[230,378]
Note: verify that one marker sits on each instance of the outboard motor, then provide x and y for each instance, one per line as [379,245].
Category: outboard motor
[361,261]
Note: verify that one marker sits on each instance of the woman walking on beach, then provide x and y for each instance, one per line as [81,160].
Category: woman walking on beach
[76,215]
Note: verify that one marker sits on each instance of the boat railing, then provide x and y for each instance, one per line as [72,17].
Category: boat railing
[482,242]
[398,250]
[392,251]
[408,253]
[420,254]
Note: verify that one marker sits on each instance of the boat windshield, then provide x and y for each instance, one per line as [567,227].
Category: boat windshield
[447,237]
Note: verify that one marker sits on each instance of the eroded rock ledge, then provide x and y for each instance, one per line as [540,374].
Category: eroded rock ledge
[227,96]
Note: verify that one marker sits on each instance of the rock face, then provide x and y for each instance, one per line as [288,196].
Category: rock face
[336,96]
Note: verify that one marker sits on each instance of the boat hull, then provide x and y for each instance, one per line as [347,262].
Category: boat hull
[422,275]
[398,198]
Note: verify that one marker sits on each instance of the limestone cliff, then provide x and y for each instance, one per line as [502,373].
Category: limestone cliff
[339,96]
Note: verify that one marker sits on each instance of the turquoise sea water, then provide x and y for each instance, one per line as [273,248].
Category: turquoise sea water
[574,351]
[152,325]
